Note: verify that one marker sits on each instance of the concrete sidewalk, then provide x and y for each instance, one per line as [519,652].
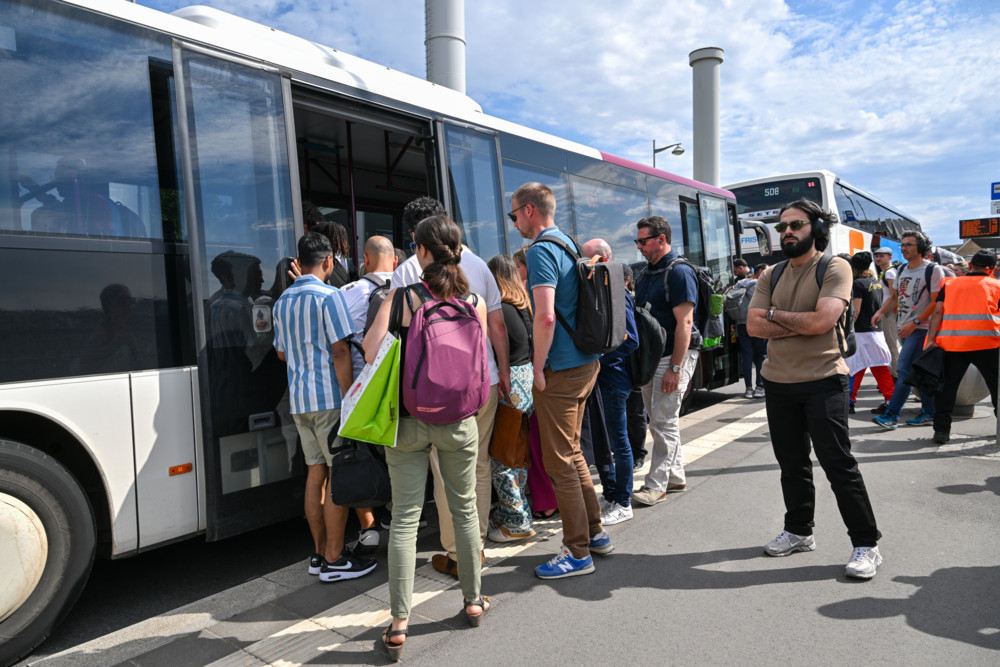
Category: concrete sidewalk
[687,581]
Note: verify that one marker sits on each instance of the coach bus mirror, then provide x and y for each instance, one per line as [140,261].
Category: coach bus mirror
[763,240]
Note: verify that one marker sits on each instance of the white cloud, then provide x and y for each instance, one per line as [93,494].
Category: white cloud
[899,98]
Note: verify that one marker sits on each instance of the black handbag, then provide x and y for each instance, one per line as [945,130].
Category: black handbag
[359,477]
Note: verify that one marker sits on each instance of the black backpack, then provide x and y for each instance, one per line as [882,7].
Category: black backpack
[642,363]
[709,326]
[846,340]
[375,300]
[600,305]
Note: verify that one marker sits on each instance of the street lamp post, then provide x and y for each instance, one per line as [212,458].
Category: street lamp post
[677,150]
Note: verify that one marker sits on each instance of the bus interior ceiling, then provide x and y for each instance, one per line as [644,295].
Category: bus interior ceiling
[359,174]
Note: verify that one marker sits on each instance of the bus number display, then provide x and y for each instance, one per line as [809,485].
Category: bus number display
[771,192]
[978,227]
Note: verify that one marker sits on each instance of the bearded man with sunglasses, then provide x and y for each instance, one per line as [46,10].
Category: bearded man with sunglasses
[806,385]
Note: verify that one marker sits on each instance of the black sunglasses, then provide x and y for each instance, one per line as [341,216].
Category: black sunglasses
[513,218]
[796,225]
[642,242]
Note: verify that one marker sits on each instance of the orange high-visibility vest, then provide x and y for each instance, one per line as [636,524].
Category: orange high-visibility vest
[971,316]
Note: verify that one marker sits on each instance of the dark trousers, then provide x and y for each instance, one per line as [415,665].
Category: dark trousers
[635,416]
[753,351]
[955,365]
[817,411]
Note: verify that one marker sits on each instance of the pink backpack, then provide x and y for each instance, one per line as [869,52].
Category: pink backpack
[445,377]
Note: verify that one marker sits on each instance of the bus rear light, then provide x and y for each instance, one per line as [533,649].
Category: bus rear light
[181,469]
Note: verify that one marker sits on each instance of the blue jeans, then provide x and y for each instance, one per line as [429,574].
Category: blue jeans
[913,345]
[753,351]
[618,480]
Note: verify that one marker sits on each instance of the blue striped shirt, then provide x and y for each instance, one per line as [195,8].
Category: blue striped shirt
[309,317]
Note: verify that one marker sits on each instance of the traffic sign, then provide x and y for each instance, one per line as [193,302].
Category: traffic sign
[995,207]
[995,195]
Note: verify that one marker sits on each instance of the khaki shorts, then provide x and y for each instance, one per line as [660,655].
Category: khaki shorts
[314,431]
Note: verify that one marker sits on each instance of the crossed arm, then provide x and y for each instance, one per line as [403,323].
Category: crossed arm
[786,323]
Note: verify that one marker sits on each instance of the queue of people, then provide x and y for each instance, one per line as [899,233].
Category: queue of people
[526,307]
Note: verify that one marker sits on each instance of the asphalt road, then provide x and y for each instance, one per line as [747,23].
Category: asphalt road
[124,592]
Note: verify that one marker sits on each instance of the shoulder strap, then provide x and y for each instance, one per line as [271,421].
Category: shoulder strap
[824,261]
[374,282]
[549,238]
[779,268]
[396,312]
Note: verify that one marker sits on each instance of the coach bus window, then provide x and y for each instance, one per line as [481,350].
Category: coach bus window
[475,191]
[76,152]
[693,248]
[608,212]
[516,174]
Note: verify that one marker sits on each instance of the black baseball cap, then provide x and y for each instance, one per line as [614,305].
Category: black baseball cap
[985,259]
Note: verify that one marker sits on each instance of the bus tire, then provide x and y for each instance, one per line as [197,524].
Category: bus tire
[44,517]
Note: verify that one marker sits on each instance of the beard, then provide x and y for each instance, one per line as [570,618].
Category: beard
[798,248]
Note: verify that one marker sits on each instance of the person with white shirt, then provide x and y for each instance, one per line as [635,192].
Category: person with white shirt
[482,282]
[379,263]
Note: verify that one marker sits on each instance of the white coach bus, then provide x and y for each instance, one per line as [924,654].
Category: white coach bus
[152,174]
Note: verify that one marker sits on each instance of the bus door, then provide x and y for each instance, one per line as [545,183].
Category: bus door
[360,165]
[232,119]
[470,159]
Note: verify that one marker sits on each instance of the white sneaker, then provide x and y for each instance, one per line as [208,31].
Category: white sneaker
[758,392]
[788,543]
[864,563]
[615,513]
[748,393]
[367,543]
[496,534]
[604,503]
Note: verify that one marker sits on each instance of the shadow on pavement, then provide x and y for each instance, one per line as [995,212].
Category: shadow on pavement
[992,485]
[958,603]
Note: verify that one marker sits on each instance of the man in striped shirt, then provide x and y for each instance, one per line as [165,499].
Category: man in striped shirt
[311,328]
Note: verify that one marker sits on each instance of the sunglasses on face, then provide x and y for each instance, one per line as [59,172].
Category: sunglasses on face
[642,242]
[796,225]
[512,215]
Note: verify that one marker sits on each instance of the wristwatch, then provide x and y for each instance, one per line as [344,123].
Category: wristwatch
[676,369]
[916,321]
[770,313]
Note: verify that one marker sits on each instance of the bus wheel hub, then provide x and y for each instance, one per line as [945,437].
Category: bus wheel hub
[23,550]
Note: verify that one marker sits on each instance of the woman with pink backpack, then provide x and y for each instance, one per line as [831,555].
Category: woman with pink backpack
[444,375]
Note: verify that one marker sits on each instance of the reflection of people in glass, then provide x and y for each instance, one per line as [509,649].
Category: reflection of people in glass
[232,337]
[113,346]
[81,209]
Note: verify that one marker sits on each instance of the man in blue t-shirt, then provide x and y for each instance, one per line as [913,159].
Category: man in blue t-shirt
[564,377]
[676,314]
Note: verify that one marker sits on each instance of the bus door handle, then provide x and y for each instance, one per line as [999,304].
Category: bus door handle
[262,421]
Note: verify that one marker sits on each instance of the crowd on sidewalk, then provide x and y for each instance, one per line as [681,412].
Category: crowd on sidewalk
[583,404]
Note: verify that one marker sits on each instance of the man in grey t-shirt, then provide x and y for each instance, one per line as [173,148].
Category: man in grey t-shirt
[917,285]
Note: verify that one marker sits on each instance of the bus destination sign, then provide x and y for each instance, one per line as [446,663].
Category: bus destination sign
[978,227]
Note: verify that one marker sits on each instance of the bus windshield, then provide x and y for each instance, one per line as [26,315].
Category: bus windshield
[772,196]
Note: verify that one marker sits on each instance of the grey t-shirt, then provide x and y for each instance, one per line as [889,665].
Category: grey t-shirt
[913,298]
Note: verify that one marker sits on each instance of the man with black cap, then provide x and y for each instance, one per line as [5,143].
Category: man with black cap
[966,325]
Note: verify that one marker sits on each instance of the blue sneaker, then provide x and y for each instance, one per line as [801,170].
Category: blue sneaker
[564,565]
[887,422]
[921,419]
[601,543]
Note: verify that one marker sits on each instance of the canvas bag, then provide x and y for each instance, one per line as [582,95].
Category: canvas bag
[509,443]
[370,410]
[642,363]
[445,377]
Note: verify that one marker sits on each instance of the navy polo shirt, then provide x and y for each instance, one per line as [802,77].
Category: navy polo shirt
[683,284]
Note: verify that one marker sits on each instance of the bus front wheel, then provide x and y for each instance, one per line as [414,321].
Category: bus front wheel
[47,546]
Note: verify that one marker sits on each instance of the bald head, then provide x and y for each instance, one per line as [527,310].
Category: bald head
[379,255]
[597,247]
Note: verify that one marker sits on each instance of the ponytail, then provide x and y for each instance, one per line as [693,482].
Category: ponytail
[443,239]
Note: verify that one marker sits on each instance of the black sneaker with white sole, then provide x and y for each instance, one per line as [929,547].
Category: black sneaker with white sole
[315,564]
[348,566]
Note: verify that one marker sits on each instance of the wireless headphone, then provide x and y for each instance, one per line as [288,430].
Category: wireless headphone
[923,243]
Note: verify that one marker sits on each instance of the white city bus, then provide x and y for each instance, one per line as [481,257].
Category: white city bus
[866,222]
[152,173]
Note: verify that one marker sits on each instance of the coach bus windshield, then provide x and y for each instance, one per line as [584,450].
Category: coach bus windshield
[772,196]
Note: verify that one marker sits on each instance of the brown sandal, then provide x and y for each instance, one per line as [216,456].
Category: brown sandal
[394,648]
[483,602]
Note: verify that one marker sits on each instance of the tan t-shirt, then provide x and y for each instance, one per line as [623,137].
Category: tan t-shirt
[803,358]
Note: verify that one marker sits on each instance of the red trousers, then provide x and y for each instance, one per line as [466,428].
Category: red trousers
[882,376]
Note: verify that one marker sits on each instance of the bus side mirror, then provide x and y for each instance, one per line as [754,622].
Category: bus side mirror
[763,241]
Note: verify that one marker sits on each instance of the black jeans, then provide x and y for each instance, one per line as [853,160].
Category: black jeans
[955,365]
[635,415]
[817,411]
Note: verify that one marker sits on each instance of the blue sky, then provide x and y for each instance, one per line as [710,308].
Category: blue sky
[899,98]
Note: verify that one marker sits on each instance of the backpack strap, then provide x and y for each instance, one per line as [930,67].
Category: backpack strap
[928,274]
[396,311]
[572,252]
